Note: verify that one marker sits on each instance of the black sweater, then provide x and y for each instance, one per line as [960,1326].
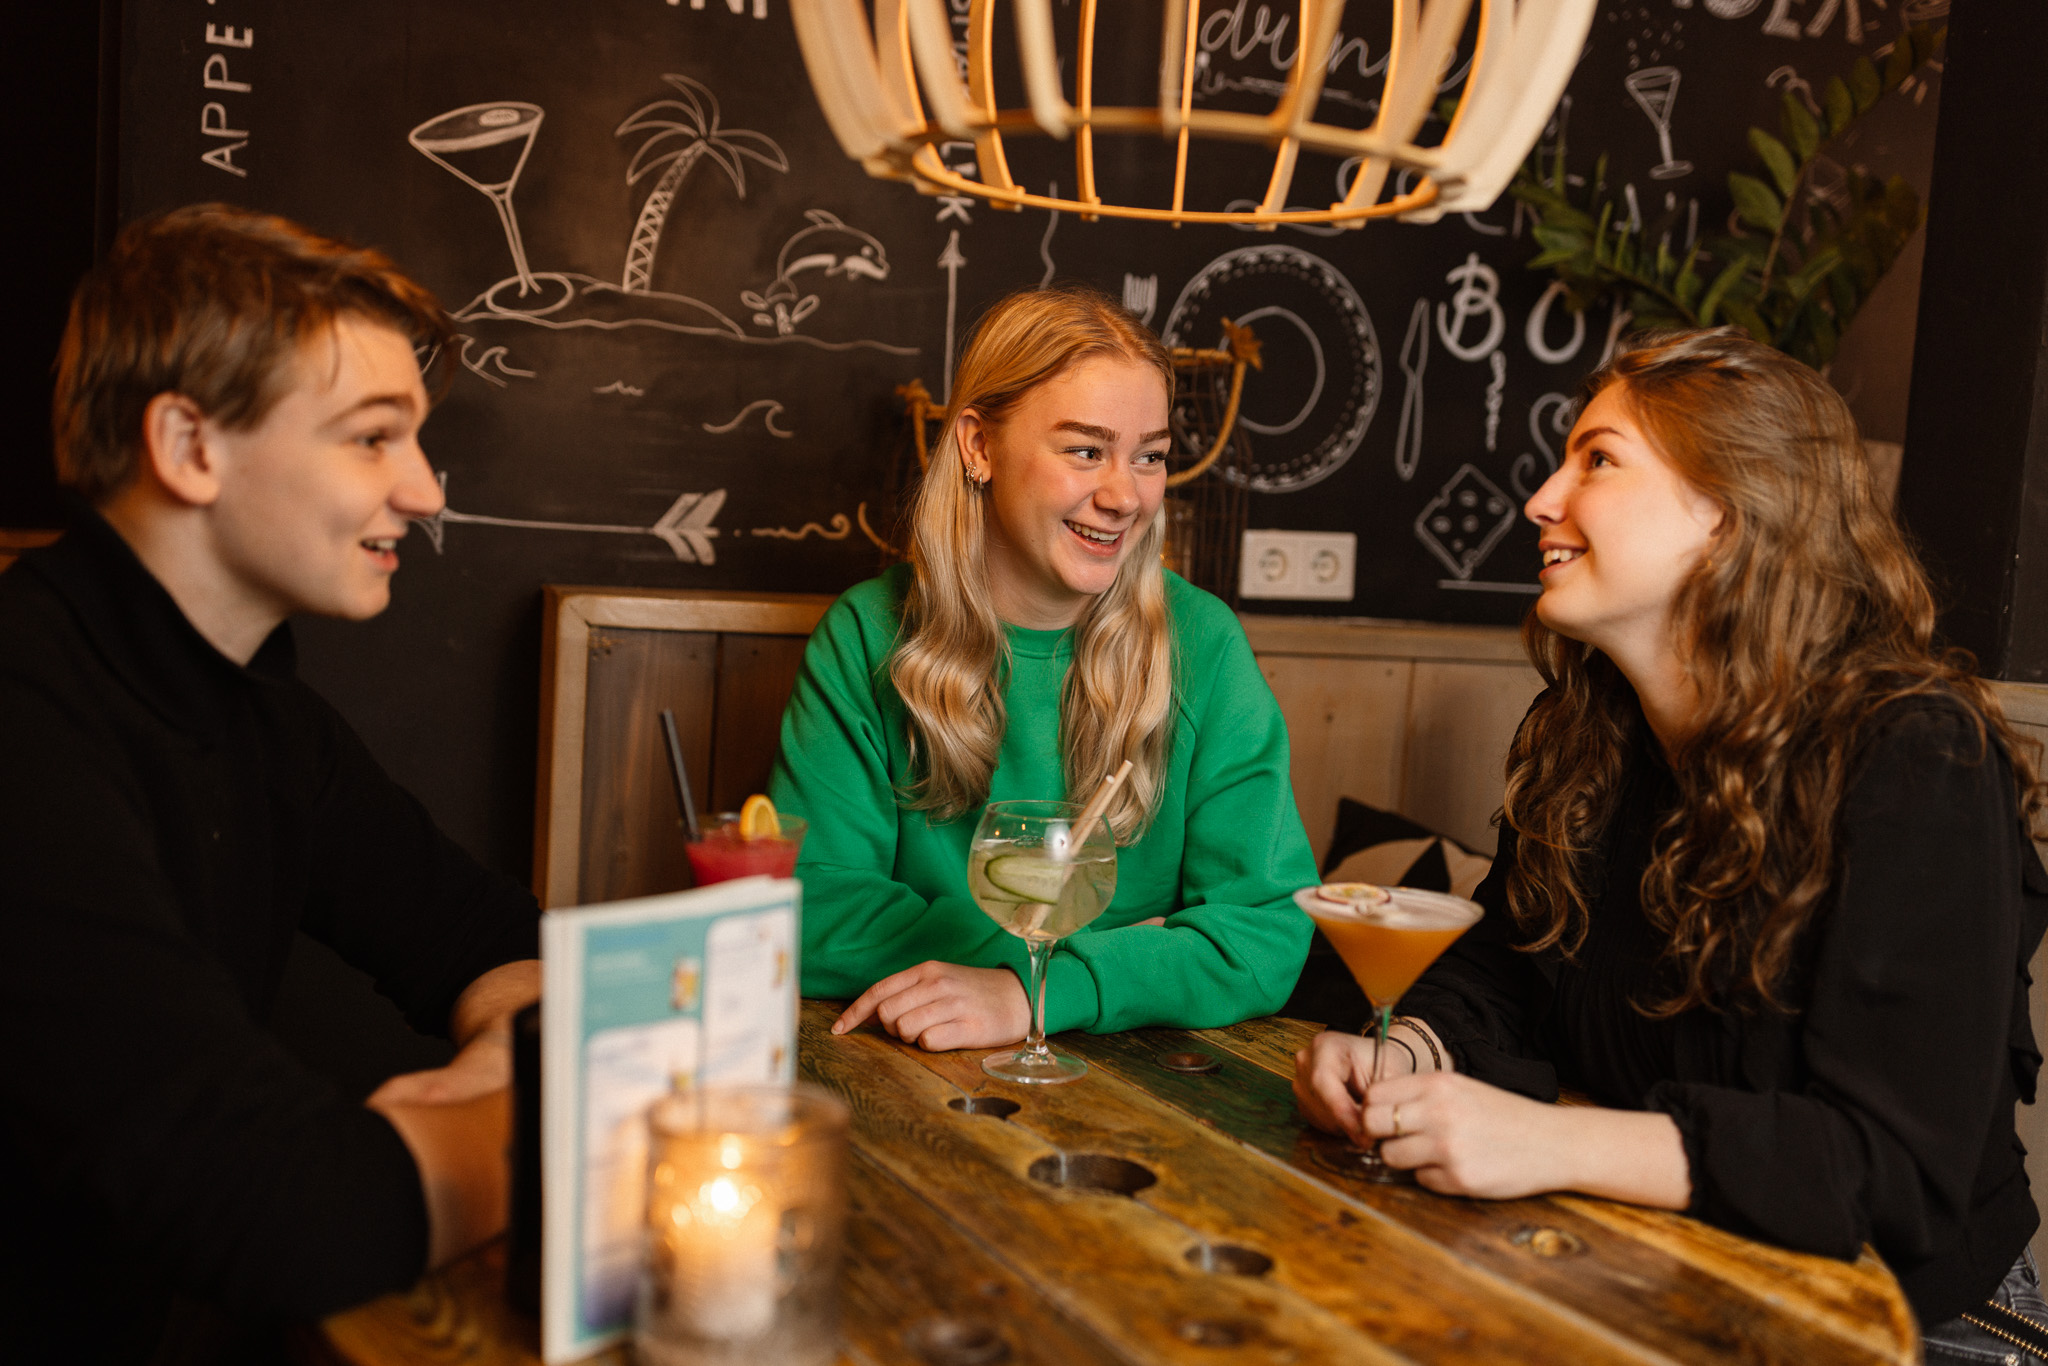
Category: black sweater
[1881,1109]
[168,819]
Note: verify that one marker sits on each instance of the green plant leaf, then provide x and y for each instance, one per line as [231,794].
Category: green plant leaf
[1600,234]
[1552,256]
[1842,292]
[1685,286]
[1900,64]
[1863,84]
[1710,302]
[1560,237]
[1801,132]
[1755,203]
[1747,318]
[1802,281]
[1774,156]
[1836,104]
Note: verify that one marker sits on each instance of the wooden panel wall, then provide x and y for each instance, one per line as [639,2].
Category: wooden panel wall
[1409,718]
[2026,706]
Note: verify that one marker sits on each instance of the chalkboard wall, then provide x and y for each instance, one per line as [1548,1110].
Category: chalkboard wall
[716,408]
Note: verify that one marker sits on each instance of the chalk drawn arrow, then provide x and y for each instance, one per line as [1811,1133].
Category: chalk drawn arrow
[685,528]
[950,261]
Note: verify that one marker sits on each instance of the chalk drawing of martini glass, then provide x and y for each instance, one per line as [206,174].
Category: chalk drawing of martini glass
[485,146]
[1655,89]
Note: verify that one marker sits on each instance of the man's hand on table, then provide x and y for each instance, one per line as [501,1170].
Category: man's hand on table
[481,1024]
[941,1006]
[457,1120]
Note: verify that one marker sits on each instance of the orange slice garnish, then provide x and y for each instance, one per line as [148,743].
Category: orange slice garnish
[758,820]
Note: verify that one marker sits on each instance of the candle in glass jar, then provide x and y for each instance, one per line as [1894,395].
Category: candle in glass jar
[746,1202]
[715,1242]
[721,1245]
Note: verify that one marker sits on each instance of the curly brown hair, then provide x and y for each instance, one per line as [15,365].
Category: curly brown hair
[1807,618]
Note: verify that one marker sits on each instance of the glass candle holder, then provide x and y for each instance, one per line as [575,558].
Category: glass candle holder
[746,1216]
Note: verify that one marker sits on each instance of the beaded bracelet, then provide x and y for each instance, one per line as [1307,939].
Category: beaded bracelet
[1421,1032]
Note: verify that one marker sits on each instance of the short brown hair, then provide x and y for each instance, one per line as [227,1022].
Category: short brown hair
[211,302]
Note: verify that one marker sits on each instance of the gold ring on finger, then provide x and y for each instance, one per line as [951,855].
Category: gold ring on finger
[1397,1121]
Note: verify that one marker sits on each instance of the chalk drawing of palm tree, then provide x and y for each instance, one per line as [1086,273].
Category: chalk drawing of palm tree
[683,131]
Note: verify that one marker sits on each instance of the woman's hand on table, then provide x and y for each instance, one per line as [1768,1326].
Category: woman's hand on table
[941,1006]
[1330,1078]
[1461,1136]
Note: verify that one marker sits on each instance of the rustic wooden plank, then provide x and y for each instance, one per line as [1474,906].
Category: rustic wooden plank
[756,674]
[1853,1300]
[695,609]
[1345,729]
[632,828]
[1113,1264]
[459,1316]
[907,1268]
[1333,1258]
[1271,1041]
[1373,638]
[1461,719]
[1662,1290]
[1864,1302]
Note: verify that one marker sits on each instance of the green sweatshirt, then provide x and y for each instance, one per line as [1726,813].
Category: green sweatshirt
[886,888]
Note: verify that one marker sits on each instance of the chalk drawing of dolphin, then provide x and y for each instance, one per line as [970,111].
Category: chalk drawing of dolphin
[827,244]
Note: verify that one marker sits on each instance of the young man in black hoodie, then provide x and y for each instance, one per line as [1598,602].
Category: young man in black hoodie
[239,403]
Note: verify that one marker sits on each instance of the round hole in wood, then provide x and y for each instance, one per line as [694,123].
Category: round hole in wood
[1097,1172]
[957,1342]
[1213,1332]
[1194,1063]
[994,1106]
[1549,1242]
[1228,1259]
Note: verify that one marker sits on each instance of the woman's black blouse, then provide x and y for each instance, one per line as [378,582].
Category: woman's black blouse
[1880,1109]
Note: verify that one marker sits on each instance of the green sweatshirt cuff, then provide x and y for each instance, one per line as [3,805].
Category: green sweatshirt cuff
[1071,998]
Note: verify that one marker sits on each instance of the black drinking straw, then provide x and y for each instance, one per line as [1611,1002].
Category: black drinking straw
[682,777]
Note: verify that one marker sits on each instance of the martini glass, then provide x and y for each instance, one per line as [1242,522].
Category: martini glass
[485,146]
[1388,937]
[1032,873]
[1655,90]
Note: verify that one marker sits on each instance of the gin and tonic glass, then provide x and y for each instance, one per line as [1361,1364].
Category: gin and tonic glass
[1032,872]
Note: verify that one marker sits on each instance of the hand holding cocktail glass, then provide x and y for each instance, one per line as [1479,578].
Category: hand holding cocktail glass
[1388,937]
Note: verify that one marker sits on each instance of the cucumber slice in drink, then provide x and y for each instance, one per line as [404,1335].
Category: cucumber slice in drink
[1029,877]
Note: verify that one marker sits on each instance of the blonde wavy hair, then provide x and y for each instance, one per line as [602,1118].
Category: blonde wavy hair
[1809,616]
[951,663]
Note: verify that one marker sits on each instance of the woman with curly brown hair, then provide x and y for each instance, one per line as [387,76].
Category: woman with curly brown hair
[1764,888]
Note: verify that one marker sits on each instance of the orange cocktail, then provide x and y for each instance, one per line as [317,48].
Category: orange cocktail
[1388,937]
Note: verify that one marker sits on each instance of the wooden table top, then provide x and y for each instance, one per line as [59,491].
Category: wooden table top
[961,1253]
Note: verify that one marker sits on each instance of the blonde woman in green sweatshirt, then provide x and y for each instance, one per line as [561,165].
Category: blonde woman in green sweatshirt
[1030,646]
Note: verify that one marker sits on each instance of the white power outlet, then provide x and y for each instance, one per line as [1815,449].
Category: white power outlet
[1299,565]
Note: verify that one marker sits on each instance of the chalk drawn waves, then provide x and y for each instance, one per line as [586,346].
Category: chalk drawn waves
[773,410]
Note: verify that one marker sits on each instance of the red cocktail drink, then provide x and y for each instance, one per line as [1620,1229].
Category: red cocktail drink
[724,853]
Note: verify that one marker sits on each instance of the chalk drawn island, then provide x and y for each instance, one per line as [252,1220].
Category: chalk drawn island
[611,431]
[486,146]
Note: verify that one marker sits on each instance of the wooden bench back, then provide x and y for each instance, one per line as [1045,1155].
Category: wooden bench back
[606,824]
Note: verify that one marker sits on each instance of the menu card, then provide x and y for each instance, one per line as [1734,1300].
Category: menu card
[681,990]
